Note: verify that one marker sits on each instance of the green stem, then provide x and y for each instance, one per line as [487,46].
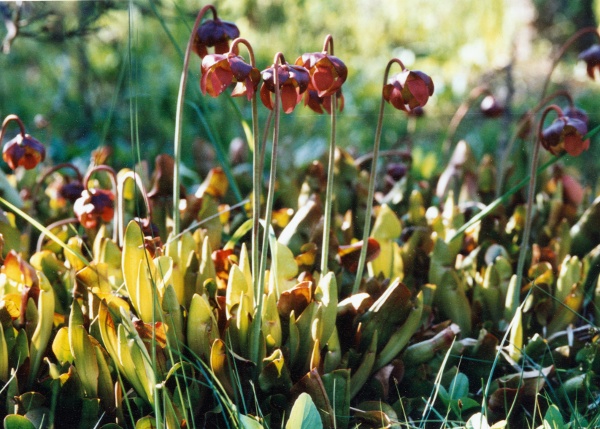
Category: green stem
[179,117]
[268,209]
[372,176]
[529,207]
[327,219]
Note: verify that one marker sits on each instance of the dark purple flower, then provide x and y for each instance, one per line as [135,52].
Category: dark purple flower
[565,135]
[327,72]
[591,56]
[23,150]
[214,32]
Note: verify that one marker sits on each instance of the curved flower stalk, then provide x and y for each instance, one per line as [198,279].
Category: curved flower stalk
[22,150]
[218,72]
[489,106]
[564,135]
[327,75]
[591,56]
[407,90]
[215,33]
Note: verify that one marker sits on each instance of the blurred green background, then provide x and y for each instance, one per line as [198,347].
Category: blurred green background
[94,73]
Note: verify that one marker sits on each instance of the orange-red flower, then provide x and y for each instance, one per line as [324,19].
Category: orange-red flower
[591,56]
[565,135]
[23,150]
[214,32]
[293,81]
[408,90]
[219,71]
[94,205]
[327,72]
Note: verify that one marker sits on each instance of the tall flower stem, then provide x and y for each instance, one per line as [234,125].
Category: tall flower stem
[520,124]
[256,171]
[327,219]
[529,207]
[256,327]
[563,50]
[372,177]
[179,118]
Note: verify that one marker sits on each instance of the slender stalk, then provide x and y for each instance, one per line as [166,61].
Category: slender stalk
[563,50]
[279,59]
[57,224]
[256,172]
[327,219]
[529,207]
[372,177]
[179,116]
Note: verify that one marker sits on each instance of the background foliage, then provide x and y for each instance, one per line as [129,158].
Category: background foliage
[92,73]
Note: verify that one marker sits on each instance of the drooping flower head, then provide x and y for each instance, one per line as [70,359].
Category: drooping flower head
[565,134]
[293,81]
[214,33]
[327,75]
[22,150]
[93,206]
[408,90]
[221,70]
[591,56]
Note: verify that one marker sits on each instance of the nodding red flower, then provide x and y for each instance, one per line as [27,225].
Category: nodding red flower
[322,104]
[565,135]
[408,90]
[94,205]
[219,71]
[71,191]
[293,81]
[490,107]
[327,73]
[591,56]
[214,32]
[23,150]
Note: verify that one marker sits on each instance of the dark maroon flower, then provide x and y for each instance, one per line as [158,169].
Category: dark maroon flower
[94,205]
[408,90]
[490,107]
[322,104]
[23,150]
[219,71]
[327,73]
[214,32]
[591,56]
[293,81]
[71,191]
[565,135]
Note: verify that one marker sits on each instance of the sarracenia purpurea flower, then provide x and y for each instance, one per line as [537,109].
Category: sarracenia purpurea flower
[22,150]
[293,81]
